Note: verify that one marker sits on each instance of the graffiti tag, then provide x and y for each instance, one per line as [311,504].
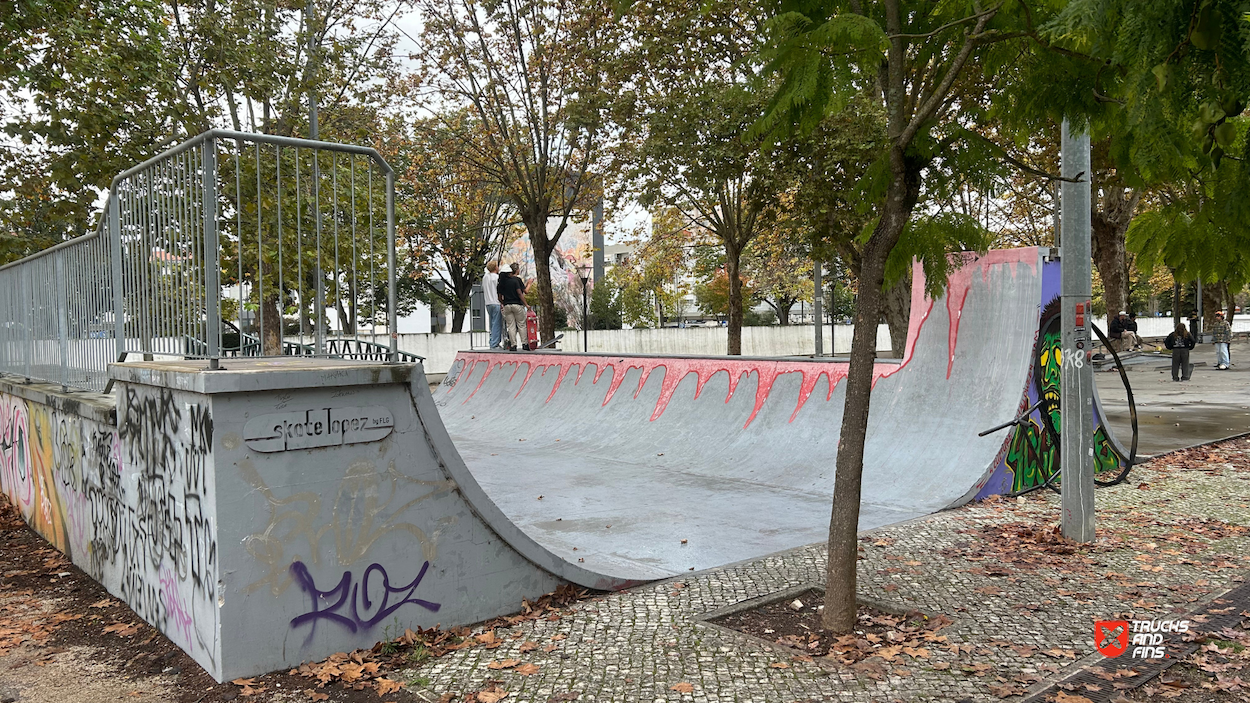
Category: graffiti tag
[348,603]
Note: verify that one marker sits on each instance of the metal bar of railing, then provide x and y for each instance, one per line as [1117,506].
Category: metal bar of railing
[157,254]
[391,297]
[62,325]
[212,278]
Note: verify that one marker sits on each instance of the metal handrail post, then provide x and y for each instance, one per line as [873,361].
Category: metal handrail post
[392,317]
[29,292]
[62,302]
[212,280]
[119,286]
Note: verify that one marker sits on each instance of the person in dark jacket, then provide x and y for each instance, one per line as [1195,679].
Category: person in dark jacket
[1123,333]
[1115,330]
[1180,342]
[512,296]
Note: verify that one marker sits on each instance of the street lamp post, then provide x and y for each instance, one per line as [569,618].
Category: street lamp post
[584,273]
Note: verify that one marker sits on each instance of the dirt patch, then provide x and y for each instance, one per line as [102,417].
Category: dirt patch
[880,642]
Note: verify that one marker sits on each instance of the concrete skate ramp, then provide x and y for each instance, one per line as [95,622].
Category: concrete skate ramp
[610,470]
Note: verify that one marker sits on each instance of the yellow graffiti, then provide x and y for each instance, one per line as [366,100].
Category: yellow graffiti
[30,467]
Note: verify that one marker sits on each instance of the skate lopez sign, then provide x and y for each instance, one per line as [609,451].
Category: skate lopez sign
[323,427]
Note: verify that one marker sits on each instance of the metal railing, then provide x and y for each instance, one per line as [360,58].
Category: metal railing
[276,236]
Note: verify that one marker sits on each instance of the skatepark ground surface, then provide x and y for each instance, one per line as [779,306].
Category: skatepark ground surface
[1211,405]
[1029,628]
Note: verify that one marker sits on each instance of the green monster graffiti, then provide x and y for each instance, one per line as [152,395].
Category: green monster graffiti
[1033,452]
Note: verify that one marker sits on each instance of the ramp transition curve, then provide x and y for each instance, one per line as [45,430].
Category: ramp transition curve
[608,470]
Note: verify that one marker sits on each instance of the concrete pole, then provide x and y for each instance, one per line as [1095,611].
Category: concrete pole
[816,302]
[1077,380]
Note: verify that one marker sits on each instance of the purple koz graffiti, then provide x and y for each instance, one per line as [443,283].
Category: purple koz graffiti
[347,595]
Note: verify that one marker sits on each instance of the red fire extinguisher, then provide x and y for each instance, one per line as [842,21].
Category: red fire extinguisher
[531,329]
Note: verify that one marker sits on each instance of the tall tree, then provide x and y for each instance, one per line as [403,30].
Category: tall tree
[538,77]
[916,58]
[701,96]
[1165,83]
[779,268]
[455,218]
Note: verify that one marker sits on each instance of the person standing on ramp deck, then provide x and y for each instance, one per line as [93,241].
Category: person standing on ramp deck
[1180,342]
[494,312]
[1222,336]
[511,291]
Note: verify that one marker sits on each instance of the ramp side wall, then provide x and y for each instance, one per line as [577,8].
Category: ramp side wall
[135,512]
[250,555]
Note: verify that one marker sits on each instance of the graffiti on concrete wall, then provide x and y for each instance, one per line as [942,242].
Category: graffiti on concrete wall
[127,506]
[1032,455]
[349,604]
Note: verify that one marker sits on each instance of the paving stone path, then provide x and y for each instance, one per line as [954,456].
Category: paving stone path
[1170,538]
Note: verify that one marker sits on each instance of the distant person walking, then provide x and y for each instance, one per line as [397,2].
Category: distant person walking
[1222,335]
[494,311]
[1180,342]
[511,291]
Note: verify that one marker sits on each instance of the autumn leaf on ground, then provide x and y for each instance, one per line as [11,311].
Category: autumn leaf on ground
[314,695]
[1062,697]
[102,603]
[492,694]
[503,664]
[780,665]
[1006,691]
[123,629]
[527,669]
[386,686]
[248,687]
[682,687]
[528,646]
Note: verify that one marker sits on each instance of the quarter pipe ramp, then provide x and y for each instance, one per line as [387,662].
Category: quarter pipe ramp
[633,468]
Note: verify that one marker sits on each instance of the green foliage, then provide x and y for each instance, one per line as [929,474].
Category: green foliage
[928,239]
[839,302]
[802,35]
[452,217]
[712,296]
[606,308]
[753,318]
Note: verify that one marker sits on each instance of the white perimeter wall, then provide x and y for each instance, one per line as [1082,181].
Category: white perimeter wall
[440,350]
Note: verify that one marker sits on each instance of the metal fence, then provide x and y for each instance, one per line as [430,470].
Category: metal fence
[229,244]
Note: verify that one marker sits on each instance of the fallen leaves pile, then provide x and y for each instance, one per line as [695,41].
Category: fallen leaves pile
[369,668]
[358,670]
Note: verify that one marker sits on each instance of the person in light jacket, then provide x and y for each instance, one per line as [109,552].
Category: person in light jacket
[494,312]
[1222,336]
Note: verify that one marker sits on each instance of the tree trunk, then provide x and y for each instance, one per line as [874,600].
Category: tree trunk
[732,261]
[896,306]
[1176,300]
[783,313]
[542,297]
[1212,300]
[1108,226]
[840,587]
[271,332]
[457,321]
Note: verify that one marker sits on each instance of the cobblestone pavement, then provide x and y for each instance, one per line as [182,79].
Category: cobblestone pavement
[1174,535]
